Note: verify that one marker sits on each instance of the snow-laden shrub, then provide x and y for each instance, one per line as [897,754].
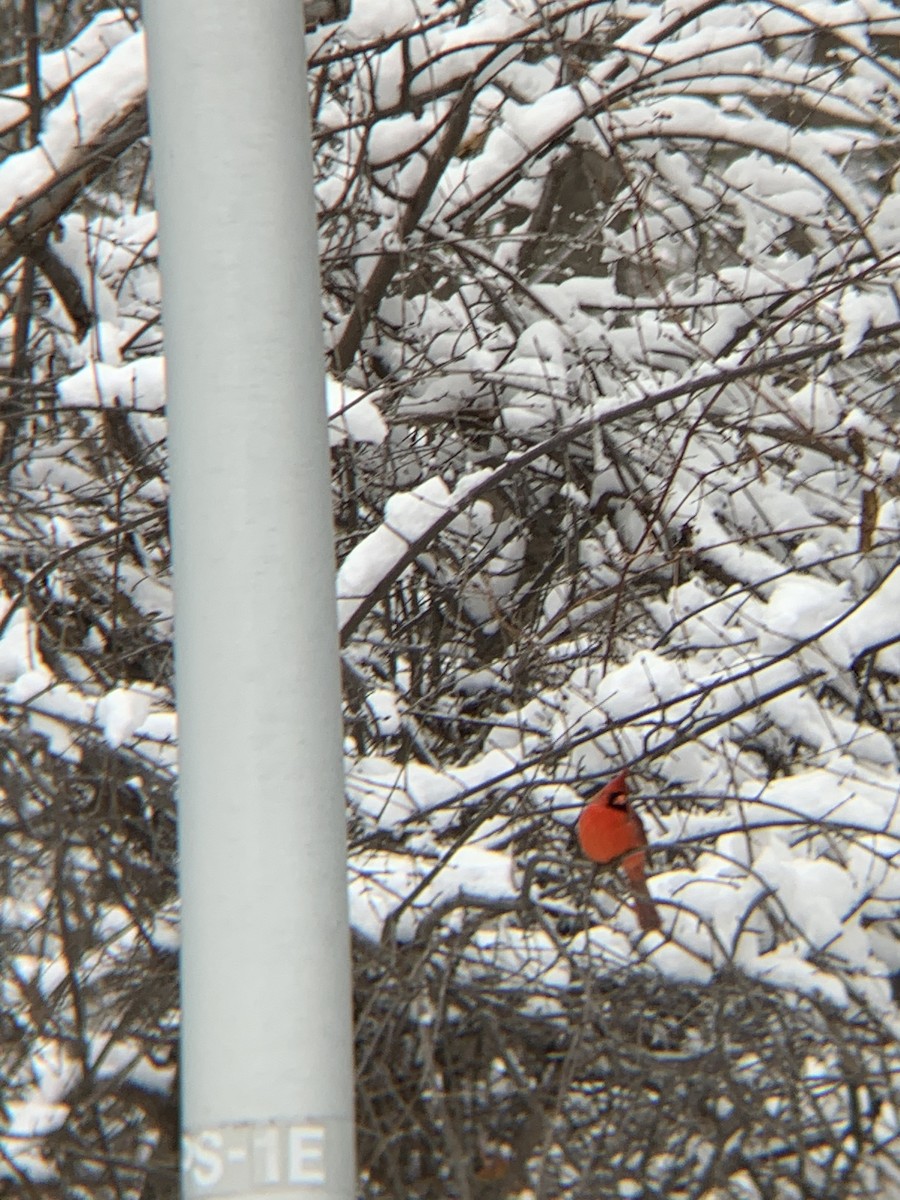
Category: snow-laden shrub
[610,295]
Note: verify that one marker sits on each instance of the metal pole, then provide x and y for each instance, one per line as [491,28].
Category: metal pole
[266,1038]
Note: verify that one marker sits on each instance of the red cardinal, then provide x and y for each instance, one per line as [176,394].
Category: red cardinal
[608,829]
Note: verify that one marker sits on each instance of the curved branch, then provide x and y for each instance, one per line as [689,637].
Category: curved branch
[514,463]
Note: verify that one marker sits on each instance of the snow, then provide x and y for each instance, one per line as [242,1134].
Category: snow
[508,956]
[121,712]
[678,587]
[799,608]
[34,1119]
[140,385]
[59,713]
[389,794]
[393,139]
[785,967]
[57,68]
[352,415]
[860,311]
[30,683]
[818,895]
[871,622]
[816,406]
[18,648]
[166,931]
[380,19]
[380,882]
[112,1058]
[384,706]
[542,341]
[679,962]
[27,1121]
[407,517]
[115,84]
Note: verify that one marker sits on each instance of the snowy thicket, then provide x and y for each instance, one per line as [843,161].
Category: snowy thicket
[612,301]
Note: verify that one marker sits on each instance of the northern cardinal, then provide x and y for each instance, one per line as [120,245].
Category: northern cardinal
[608,829]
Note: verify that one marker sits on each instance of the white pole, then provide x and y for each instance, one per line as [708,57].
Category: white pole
[266,1037]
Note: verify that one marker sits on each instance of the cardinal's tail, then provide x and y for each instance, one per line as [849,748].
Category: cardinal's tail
[647,913]
[645,910]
